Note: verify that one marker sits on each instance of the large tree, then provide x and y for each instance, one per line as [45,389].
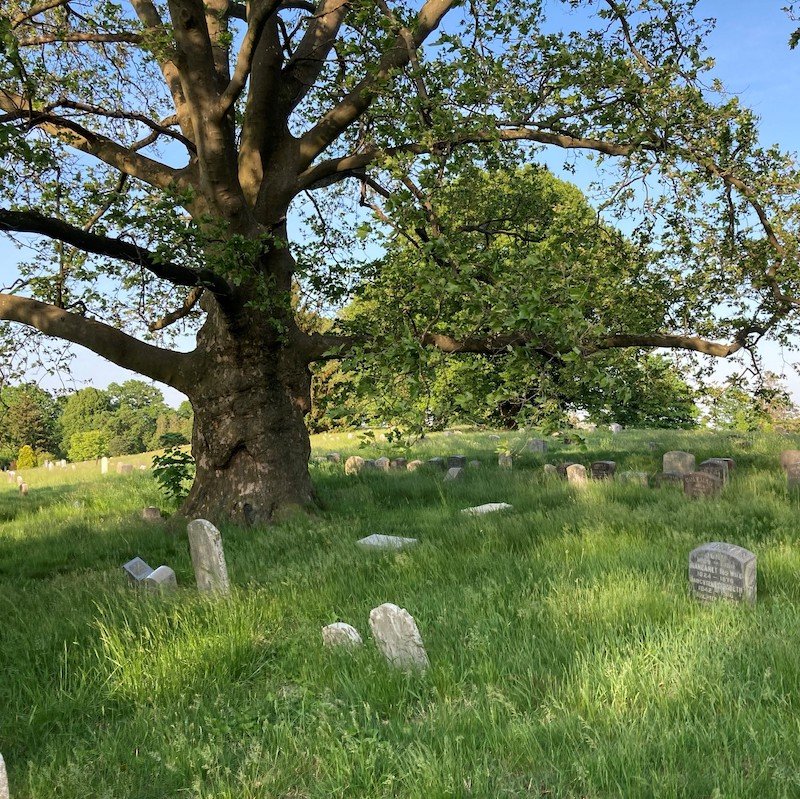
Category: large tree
[155,151]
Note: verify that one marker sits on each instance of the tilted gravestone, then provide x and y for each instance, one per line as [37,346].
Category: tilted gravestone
[505,462]
[208,557]
[576,474]
[716,466]
[679,462]
[378,541]
[412,466]
[397,637]
[793,476]
[456,461]
[137,570]
[353,465]
[722,571]
[536,445]
[489,507]
[603,470]
[456,473]
[340,634]
[163,578]
[701,484]
[4,792]
[789,456]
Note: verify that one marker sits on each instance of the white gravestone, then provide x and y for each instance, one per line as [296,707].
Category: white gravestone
[208,558]
[722,571]
[576,474]
[340,634]
[4,794]
[354,464]
[378,541]
[161,578]
[489,507]
[397,637]
[137,570]
[103,465]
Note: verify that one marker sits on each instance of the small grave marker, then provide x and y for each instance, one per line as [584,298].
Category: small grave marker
[715,466]
[412,466]
[454,474]
[397,637]
[603,470]
[353,465]
[104,465]
[489,507]
[701,484]
[23,489]
[474,465]
[637,478]
[456,461]
[399,463]
[208,557]
[137,570]
[793,476]
[789,456]
[722,571]
[615,428]
[151,514]
[334,457]
[679,462]
[163,578]
[505,462]
[536,445]
[378,541]
[382,464]
[576,474]
[437,463]
[340,634]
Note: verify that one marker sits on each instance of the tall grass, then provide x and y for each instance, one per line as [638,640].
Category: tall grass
[568,658]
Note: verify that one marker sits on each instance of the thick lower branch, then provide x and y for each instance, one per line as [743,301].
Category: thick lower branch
[166,366]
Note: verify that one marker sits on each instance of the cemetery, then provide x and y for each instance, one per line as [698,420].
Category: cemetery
[569,632]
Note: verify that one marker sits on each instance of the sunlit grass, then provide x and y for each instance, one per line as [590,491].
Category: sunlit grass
[568,658]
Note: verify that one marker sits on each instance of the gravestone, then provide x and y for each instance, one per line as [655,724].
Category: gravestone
[668,478]
[4,793]
[701,484]
[412,466]
[397,637]
[536,445]
[494,438]
[679,462]
[474,465]
[382,464]
[378,541]
[124,468]
[369,466]
[793,476]
[151,514]
[652,445]
[562,468]
[637,478]
[104,465]
[455,473]
[576,474]
[505,462]
[161,579]
[456,461]
[789,456]
[489,507]
[353,465]
[340,634]
[62,464]
[615,428]
[20,479]
[550,470]
[437,463]
[603,470]
[399,463]
[136,570]
[23,489]
[716,466]
[334,457]
[722,571]
[208,557]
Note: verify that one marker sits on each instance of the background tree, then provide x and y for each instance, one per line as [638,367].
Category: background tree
[86,409]
[164,146]
[28,415]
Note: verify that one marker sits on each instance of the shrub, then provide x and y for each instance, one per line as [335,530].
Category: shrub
[87,446]
[26,458]
[174,471]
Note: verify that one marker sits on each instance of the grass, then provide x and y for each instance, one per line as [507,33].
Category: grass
[568,659]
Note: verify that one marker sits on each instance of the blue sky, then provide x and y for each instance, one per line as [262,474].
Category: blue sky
[750,46]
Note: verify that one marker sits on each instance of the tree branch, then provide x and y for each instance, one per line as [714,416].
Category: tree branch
[192,298]
[74,36]
[34,222]
[167,366]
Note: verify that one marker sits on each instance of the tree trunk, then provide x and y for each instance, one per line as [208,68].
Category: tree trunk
[250,442]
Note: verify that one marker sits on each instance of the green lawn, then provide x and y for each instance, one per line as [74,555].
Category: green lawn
[567,657]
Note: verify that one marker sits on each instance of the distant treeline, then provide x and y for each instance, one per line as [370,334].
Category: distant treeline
[122,420]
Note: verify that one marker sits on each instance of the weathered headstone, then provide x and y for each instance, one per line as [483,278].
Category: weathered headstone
[668,478]
[494,438]
[163,578]
[679,462]
[334,457]
[4,792]
[562,467]
[103,465]
[397,637]
[382,464]
[652,445]
[20,479]
[353,465]
[722,571]
[23,489]
[62,464]
[124,468]
[136,570]
[378,541]
[536,445]
[603,470]
[793,476]
[474,465]
[789,456]
[615,428]
[637,478]
[412,466]
[151,514]
[576,474]
[457,461]
[550,470]
[340,634]
[399,463]
[489,507]
[701,484]
[716,466]
[505,462]
[437,463]
[208,557]
[369,466]
[456,473]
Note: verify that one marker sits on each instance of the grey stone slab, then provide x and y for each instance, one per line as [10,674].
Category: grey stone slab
[667,479]
[793,475]
[151,514]
[104,465]
[637,478]
[208,557]
[437,463]
[701,484]
[603,470]
[615,428]
[124,468]
[536,445]
[353,465]
[383,464]
[456,473]
[378,541]
[505,462]
[333,457]
[23,489]
[679,462]
[163,578]
[136,570]
[562,468]
[399,463]
[550,470]
[789,456]
[474,465]
[397,637]
[489,507]
[4,792]
[722,571]
[457,461]
[715,466]
[341,634]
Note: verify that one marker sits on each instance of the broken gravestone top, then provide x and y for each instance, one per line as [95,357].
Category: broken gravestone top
[489,507]
[136,570]
[397,637]
[455,473]
[340,634]
[378,541]
[208,557]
